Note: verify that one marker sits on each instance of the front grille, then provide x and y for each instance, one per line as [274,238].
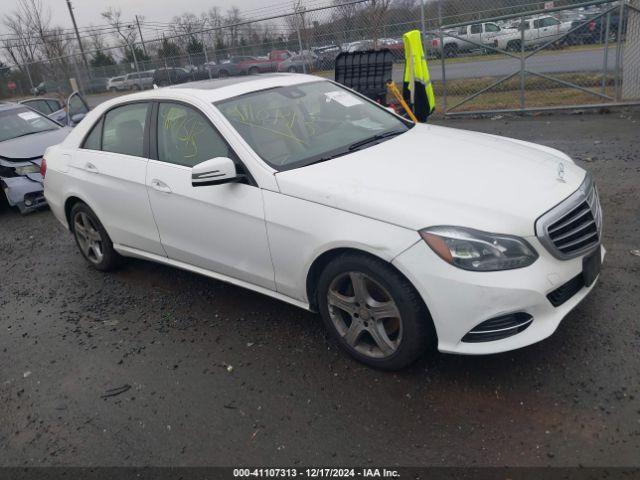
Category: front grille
[565,291]
[498,328]
[574,226]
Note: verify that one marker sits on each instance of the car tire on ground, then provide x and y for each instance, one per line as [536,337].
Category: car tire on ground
[254,71]
[292,69]
[113,89]
[514,46]
[373,312]
[451,50]
[92,239]
[223,74]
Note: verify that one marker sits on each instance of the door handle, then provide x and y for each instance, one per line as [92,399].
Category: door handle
[90,167]
[160,186]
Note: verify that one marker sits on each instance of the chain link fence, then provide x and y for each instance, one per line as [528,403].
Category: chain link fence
[484,56]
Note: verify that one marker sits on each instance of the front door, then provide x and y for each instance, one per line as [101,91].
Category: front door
[220,228]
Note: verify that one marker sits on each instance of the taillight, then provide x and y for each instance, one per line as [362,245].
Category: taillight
[434,42]
[43,167]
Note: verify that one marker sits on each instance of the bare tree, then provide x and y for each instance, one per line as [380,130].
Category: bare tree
[123,31]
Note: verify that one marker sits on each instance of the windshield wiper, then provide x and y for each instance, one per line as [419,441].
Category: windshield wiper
[374,138]
[329,157]
[357,145]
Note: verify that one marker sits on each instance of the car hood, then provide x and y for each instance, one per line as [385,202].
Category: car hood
[442,176]
[31,147]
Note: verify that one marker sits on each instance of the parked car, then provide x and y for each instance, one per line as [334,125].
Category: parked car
[56,109]
[298,63]
[97,85]
[51,107]
[170,76]
[231,67]
[139,81]
[265,64]
[537,31]
[327,56]
[50,86]
[25,134]
[468,38]
[115,84]
[343,216]
[593,29]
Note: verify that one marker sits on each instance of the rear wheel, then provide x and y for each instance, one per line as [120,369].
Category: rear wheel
[451,50]
[292,69]
[92,239]
[223,74]
[374,313]
[254,71]
[514,46]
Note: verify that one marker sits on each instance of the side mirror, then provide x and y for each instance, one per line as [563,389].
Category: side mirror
[216,171]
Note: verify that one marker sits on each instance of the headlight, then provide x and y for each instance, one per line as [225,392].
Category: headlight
[27,169]
[479,251]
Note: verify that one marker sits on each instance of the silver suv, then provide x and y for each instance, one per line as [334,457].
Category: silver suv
[139,81]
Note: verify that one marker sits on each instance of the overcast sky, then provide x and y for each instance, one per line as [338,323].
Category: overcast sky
[88,11]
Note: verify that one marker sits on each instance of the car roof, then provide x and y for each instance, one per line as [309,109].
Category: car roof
[219,89]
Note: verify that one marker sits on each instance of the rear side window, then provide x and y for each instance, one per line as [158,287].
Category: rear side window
[40,105]
[92,141]
[124,129]
[54,105]
[476,28]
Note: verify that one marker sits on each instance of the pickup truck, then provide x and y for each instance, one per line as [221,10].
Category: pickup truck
[267,64]
[537,31]
[483,33]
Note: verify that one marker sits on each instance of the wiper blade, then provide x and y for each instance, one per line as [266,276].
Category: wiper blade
[375,138]
[329,157]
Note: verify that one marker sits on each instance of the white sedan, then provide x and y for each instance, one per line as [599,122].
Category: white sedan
[402,236]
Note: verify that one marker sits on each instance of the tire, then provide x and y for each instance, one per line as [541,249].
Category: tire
[387,342]
[292,69]
[135,87]
[514,46]
[223,74]
[113,89]
[94,245]
[451,50]
[254,71]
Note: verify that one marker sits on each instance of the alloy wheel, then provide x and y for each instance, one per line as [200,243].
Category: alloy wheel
[89,238]
[365,314]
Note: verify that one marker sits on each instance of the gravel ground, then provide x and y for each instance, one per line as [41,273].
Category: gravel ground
[224,376]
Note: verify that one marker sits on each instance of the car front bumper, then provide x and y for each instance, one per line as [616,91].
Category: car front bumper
[459,300]
[24,193]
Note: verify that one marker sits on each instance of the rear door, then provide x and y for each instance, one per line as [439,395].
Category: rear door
[111,166]
[475,35]
[549,29]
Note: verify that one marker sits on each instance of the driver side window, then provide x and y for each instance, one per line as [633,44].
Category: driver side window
[185,136]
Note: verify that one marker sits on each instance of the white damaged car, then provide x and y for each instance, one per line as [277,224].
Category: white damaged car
[402,236]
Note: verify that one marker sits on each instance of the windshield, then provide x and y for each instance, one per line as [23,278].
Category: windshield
[297,125]
[18,122]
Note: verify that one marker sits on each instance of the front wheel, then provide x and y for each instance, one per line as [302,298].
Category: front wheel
[373,311]
[92,239]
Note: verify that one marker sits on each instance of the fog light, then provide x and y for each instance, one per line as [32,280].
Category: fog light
[28,203]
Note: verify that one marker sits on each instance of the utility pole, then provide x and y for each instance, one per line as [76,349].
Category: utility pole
[144,46]
[75,27]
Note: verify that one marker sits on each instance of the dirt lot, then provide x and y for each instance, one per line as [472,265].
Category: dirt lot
[223,376]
